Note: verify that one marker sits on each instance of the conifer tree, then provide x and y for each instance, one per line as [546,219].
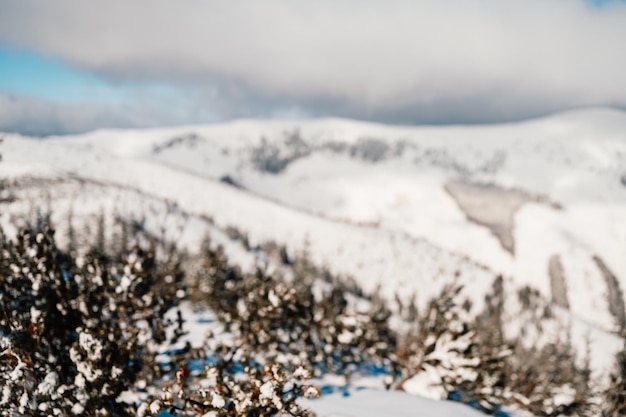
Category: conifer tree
[301,322]
[445,346]
[74,336]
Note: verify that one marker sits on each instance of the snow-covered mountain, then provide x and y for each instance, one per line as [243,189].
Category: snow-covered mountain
[541,202]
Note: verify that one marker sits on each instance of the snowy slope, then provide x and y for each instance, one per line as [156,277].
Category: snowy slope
[375,255]
[368,200]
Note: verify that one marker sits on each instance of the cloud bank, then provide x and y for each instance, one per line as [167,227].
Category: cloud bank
[458,61]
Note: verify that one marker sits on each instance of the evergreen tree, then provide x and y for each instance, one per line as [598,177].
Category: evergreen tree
[74,336]
[304,321]
[445,346]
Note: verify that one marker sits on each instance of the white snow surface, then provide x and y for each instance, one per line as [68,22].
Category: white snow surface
[368,402]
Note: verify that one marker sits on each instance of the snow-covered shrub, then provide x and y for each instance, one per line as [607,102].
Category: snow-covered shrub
[76,333]
[445,347]
[235,386]
[543,374]
[303,321]
[614,404]
[548,380]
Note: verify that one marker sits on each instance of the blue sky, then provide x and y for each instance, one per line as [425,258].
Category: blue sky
[72,66]
[29,72]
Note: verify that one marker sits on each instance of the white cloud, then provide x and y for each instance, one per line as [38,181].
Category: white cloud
[430,60]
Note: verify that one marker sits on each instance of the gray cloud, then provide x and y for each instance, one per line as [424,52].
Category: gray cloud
[406,61]
[35,116]
[40,117]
